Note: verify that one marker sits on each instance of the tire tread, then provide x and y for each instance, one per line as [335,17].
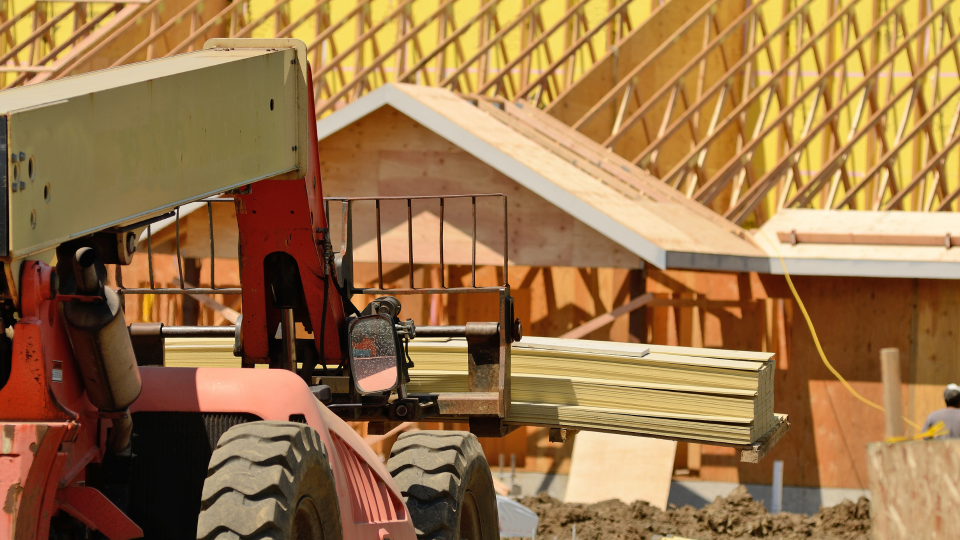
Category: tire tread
[431,467]
[249,490]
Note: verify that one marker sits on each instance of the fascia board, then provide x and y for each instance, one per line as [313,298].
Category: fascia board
[866,268]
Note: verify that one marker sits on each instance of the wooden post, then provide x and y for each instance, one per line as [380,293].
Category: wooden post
[892,396]
[638,317]
[191,307]
[694,458]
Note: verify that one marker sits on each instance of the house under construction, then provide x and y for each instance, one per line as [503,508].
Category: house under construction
[664,164]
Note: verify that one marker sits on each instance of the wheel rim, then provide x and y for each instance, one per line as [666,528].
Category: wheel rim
[470,526]
[306,521]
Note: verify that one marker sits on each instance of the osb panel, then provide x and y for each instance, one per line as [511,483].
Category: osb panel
[914,488]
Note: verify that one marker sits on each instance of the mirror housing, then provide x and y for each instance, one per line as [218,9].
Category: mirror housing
[374,365]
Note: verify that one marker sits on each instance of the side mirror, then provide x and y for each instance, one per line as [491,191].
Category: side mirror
[373,354]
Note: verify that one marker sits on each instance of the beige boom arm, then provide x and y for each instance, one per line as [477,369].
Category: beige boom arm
[115,147]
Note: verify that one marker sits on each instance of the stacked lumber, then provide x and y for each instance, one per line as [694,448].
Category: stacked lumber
[674,392]
[199,352]
[709,395]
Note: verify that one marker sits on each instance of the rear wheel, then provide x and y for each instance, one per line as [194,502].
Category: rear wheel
[269,480]
[446,483]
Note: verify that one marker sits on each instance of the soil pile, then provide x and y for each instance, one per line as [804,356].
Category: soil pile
[733,517]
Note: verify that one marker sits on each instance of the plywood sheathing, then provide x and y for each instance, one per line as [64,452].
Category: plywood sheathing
[643,227]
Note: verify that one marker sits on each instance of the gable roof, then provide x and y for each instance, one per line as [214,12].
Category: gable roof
[665,233]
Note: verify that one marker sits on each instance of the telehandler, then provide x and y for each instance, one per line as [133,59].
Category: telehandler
[98,441]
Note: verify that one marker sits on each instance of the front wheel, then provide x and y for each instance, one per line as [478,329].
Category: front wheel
[446,484]
[269,480]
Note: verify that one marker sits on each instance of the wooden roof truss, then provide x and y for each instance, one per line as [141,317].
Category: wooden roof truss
[414,41]
[813,108]
[491,69]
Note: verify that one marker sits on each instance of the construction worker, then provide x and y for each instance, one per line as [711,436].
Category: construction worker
[950,416]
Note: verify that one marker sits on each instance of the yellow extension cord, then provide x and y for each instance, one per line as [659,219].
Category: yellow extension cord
[936,429]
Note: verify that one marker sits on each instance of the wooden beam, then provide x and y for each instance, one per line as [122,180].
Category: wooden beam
[638,317]
[892,396]
[607,318]
[945,240]
[229,314]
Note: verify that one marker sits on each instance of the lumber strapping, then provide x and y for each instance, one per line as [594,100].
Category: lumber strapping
[723,397]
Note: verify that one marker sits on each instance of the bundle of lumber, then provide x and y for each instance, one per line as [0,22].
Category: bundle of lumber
[674,392]
[709,395]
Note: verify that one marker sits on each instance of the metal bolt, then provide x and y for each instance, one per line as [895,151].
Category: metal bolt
[14,157]
[22,156]
[402,410]
[294,148]
[131,243]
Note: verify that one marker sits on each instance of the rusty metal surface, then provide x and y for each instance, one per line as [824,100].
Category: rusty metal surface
[466,404]
[490,427]
[451,331]
[147,341]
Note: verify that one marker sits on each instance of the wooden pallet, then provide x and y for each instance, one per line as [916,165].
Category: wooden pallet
[755,452]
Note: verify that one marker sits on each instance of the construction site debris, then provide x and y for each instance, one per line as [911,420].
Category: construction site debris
[736,516]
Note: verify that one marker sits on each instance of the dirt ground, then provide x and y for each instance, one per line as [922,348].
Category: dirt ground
[736,516]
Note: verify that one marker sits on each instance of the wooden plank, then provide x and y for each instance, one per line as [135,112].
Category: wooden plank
[609,162]
[597,472]
[892,391]
[766,443]
[608,318]
[946,240]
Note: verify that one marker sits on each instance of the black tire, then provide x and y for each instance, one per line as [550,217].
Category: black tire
[269,480]
[446,483]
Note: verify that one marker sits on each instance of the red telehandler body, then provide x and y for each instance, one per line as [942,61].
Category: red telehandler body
[97,443]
